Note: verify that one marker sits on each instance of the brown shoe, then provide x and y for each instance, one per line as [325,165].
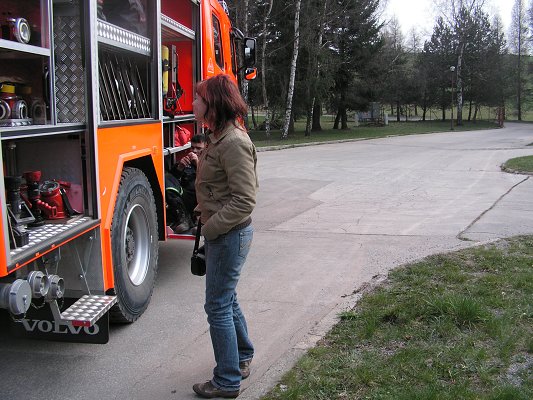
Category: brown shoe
[208,391]
[244,366]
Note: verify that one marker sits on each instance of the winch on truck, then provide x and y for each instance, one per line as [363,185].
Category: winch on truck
[95,103]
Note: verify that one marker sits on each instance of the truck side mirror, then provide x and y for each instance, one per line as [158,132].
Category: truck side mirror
[249,52]
[250,73]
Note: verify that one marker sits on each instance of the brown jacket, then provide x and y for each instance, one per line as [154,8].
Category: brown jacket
[226,181]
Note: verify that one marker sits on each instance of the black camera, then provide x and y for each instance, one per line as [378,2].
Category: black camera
[198,262]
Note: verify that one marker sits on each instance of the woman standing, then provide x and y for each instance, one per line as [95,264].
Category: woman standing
[226,184]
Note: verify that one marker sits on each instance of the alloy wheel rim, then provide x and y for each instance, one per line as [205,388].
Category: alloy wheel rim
[137,241]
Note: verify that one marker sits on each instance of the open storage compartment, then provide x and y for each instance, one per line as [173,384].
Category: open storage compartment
[25,24]
[179,24]
[25,63]
[179,27]
[179,52]
[46,192]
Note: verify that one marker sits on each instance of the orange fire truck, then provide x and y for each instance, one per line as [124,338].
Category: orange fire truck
[95,102]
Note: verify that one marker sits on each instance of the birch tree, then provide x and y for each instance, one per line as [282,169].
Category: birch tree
[414,43]
[458,14]
[264,36]
[290,91]
[394,61]
[518,41]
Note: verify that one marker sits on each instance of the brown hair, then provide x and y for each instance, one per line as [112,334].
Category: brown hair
[224,102]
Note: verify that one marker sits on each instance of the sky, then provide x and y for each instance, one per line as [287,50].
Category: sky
[421,13]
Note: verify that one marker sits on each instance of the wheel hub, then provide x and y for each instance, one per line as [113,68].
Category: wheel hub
[130,245]
[137,244]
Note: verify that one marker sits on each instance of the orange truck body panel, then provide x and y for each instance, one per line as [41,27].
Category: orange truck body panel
[209,65]
[115,147]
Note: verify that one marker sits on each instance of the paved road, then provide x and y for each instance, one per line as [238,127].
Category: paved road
[331,219]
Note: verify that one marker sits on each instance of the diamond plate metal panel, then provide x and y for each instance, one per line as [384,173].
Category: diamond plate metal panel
[48,231]
[43,154]
[69,85]
[121,38]
[87,310]
[169,26]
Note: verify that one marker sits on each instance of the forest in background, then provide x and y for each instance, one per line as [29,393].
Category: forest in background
[340,56]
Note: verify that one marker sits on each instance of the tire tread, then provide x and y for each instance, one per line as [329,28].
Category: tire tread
[120,313]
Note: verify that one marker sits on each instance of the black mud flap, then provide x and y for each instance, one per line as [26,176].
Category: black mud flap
[40,324]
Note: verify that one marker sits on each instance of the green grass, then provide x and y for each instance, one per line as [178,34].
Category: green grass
[519,164]
[452,326]
[360,132]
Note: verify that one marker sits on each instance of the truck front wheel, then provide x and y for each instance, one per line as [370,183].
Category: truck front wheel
[134,243]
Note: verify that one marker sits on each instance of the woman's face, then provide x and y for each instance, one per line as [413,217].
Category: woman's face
[199,108]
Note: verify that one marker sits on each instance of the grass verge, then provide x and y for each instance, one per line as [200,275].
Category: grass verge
[361,132]
[452,326]
[519,165]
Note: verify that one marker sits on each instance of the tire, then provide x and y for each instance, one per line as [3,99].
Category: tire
[134,244]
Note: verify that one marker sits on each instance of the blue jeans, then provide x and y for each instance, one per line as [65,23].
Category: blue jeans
[225,257]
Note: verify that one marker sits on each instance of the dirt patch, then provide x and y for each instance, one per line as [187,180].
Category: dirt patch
[521,363]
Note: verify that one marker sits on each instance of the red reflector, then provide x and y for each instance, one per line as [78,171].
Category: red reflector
[81,323]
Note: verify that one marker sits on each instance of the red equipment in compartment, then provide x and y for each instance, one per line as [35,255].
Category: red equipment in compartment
[182,136]
[51,203]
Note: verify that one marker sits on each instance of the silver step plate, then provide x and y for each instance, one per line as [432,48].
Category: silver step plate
[87,310]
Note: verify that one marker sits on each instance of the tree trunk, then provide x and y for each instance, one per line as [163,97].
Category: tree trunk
[519,71]
[470,110]
[337,120]
[344,119]
[460,85]
[290,92]
[519,80]
[254,121]
[244,84]
[316,66]
[263,69]
[309,94]
[309,118]
[317,113]
[398,112]
[291,124]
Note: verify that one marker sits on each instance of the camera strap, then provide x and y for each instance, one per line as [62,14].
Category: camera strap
[197,241]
